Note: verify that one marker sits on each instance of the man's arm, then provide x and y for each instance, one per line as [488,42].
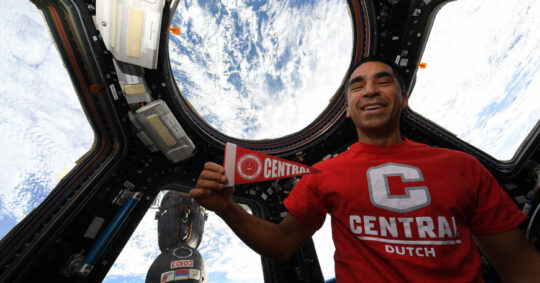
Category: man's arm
[512,255]
[278,241]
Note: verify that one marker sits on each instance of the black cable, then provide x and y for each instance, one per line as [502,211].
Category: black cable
[529,227]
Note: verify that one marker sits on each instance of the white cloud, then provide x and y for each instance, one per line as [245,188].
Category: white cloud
[225,252]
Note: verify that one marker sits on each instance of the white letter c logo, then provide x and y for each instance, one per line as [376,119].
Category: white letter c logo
[379,190]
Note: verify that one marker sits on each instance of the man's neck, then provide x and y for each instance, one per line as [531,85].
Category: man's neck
[393,138]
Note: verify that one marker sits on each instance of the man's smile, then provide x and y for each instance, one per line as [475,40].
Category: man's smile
[374,107]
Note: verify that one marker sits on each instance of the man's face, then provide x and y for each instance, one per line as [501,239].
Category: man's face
[375,99]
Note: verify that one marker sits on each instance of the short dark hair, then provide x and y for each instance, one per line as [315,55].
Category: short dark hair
[377,58]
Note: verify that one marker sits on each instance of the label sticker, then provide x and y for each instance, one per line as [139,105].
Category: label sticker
[181,274]
[167,276]
[194,274]
[113,91]
[182,263]
[152,24]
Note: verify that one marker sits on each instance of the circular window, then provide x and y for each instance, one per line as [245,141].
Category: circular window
[260,69]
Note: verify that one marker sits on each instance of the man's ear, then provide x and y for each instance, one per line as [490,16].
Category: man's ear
[347,114]
[404,99]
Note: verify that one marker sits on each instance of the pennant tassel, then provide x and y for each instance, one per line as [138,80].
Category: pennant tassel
[229,163]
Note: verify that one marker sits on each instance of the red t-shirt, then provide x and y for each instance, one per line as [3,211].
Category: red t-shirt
[404,212]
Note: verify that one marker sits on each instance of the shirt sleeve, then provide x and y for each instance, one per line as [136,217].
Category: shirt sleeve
[495,211]
[305,204]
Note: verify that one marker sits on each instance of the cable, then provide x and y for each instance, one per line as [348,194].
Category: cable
[529,227]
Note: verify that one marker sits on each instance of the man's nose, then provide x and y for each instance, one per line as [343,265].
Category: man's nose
[370,89]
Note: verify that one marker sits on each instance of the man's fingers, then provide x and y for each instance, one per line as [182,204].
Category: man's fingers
[213,176]
[211,166]
[209,185]
[199,193]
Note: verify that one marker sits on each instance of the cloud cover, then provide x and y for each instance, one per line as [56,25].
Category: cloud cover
[480,82]
[40,114]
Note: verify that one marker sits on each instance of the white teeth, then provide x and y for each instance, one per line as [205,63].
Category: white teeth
[371,107]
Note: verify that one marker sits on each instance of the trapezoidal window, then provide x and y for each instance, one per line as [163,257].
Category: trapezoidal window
[40,115]
[482,76]
[227,258]
[260,69]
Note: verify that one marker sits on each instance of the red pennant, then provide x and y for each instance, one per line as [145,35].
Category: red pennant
[248,166]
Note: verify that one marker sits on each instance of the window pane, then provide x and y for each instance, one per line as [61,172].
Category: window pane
[260,69]
[227,258]
[138,254]
[39,114]
[481,80]
[324,245]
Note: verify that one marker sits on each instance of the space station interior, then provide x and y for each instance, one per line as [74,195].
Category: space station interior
[149,139]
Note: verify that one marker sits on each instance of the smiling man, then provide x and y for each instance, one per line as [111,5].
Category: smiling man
[375,98]
[401,211]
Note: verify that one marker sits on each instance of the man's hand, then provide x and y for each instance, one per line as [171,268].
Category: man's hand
[276,241]
[210,190]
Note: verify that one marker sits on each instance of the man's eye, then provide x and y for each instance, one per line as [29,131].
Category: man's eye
[384,82]
[356,87]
